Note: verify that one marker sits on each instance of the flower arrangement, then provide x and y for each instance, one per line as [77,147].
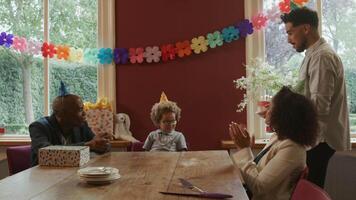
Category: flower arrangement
[262,77]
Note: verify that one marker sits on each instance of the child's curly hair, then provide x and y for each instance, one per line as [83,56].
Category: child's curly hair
[158,109]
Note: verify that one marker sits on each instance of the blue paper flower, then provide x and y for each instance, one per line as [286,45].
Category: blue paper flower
[105,56]
[63,90]
[6,39]
[121,55]
[230,33]
[91,56]
[245,27]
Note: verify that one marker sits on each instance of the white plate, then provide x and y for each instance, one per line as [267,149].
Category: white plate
[105,179]
[97,171]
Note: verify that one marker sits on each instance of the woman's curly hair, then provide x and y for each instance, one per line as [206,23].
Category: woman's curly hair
[294,117]
[159,109]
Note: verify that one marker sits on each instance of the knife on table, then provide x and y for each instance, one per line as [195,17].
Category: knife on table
[207,195]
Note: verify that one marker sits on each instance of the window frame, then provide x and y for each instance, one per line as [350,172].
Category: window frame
[106,73]
[255,47]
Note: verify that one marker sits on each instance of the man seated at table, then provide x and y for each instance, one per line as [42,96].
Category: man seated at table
[66,126]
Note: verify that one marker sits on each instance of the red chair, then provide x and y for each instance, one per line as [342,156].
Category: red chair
[137,146]
[306,190]
[18,158]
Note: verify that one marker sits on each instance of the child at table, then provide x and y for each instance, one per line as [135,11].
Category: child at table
[165,116]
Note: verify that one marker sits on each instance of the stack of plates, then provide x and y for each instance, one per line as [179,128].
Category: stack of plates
[98,175]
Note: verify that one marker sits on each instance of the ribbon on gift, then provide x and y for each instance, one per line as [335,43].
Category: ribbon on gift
[102,103]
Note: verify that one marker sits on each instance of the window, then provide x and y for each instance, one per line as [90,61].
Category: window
[23,75]
[337,26]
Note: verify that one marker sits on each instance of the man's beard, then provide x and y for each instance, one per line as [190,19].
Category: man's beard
[302,47]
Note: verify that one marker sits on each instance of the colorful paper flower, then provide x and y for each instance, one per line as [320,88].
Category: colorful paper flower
[152,54]
[245,28]
[33,47]
[6,39]
[136,55]
[300,3]
[284,6]
[76,55]
[168,52]
[48,50]
[19,44]
[230,33]
[121,55]
[183,48]
[273,14]
[105,56]
[199,44]
[215,39]
[91,56]
[259,21]
[62,52]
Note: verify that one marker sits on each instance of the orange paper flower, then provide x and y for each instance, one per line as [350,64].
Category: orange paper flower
[183,48]
[62,52]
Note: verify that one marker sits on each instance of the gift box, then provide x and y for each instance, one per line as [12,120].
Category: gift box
[100,118]
[63,156]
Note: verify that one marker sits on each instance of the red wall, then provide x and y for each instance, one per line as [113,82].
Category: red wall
[202,85]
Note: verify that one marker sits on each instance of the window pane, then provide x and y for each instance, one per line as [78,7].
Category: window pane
[338,29]
[73,23]
[279,53]
[21,70]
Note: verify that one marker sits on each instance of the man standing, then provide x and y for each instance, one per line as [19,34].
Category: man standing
[322,78]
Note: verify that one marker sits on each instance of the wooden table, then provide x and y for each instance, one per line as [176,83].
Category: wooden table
[143,175]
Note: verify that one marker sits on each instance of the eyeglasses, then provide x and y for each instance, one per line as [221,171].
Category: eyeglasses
[173,122]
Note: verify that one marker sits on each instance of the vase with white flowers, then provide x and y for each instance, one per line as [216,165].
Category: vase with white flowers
[262,78]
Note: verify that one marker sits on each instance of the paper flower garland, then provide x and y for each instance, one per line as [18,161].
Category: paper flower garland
[230,33]
[300,2]
[121,56]
[48,50]
[152,54]
[105,56]
[259,21]
[245,27]
[164,52]
[75,55]
[183,48]
[19,44]
[199,44]
[136,55]
[91,56]
[215,39]
[6,39]
[33,47]
[168,52]
[284,6]
[62,52]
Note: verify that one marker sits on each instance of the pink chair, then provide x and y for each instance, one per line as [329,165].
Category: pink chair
[18,158]
[306,190]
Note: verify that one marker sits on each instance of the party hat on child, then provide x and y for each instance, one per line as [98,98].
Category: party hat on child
[163,98]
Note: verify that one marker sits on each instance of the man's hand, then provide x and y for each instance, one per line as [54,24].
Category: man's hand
[99,144]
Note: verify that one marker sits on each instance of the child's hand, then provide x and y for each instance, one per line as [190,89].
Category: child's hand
[240,136]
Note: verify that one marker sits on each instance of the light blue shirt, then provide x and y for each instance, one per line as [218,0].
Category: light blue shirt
[159,141]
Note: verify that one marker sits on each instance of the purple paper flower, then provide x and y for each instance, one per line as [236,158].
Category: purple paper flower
[6,39]
[121,55]
[245,28]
